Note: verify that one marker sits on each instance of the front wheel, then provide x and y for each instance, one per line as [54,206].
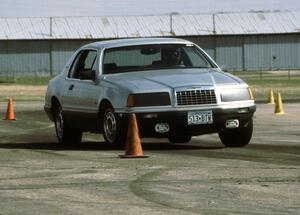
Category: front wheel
[237,137]
[114,131]
[64,133]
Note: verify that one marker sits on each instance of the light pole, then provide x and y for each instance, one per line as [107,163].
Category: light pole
[171,22]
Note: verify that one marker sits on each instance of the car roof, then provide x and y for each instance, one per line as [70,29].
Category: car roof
[135,41]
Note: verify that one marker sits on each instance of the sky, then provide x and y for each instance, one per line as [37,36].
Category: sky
[46,8]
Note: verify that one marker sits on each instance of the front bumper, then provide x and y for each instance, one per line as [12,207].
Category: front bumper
[178,123]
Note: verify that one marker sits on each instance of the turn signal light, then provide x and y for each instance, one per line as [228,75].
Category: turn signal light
[130,102]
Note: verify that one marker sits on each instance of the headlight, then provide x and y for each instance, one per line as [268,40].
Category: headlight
[148,99]
[231,95]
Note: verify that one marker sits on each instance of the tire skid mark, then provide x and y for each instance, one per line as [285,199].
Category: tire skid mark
[42,128]
[49,153]
[63,185]
[138,188]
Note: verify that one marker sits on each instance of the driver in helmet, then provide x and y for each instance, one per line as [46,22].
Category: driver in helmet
[171,57]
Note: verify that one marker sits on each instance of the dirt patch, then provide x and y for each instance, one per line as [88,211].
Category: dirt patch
[22,92]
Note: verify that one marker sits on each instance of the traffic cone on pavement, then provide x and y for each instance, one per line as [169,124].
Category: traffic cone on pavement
[133,141]
[10,115]
[279,107]
[271,97]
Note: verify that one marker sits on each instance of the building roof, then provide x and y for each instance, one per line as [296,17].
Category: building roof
[149,26]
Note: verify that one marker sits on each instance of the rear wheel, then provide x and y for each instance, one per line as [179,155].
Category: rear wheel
[114,129]
[237,137]
[64,133]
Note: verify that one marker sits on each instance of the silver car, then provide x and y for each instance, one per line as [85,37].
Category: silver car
[175,89]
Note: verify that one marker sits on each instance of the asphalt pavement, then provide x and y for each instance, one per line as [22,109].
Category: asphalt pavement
[39,176]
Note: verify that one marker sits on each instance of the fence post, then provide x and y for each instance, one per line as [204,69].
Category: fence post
[50,47]
[50,58]
[289,73]
[260,74]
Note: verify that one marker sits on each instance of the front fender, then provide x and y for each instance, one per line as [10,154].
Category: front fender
[115,94]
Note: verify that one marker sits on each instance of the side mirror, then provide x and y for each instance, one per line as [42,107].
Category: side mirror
[93,75]
[88,75]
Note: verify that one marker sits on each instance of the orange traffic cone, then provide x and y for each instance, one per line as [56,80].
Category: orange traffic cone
[10,115]
[133,141]
[278,106]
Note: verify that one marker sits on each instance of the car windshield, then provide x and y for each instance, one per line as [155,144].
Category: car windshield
[153,57]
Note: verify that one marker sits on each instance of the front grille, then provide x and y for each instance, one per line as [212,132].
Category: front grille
[196,97]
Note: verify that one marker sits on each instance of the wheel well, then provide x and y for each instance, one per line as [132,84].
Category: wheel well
[104,103]
[54,103]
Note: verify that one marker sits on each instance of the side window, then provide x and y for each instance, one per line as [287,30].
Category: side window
[90,60]
[73,71]
[83,65]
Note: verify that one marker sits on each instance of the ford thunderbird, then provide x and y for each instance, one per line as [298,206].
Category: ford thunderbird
[175,89]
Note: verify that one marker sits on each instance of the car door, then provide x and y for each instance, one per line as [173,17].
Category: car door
[82,90]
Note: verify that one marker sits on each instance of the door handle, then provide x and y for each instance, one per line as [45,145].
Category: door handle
[71,87]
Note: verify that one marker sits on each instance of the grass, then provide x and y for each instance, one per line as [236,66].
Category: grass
[287,83]
[289,90]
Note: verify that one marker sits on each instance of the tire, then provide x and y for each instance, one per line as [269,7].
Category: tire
[237,137]
[114,128]
[64,133]
[182,138]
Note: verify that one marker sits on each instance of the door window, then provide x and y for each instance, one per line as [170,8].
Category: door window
[83,67]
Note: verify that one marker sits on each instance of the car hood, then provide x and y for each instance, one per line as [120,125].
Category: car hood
[172,78]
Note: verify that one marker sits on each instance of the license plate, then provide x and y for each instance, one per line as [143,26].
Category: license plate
[200,117]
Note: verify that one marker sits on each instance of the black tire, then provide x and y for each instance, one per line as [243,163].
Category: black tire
[237,137]
[181,138]
[64,133]
[114,128]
